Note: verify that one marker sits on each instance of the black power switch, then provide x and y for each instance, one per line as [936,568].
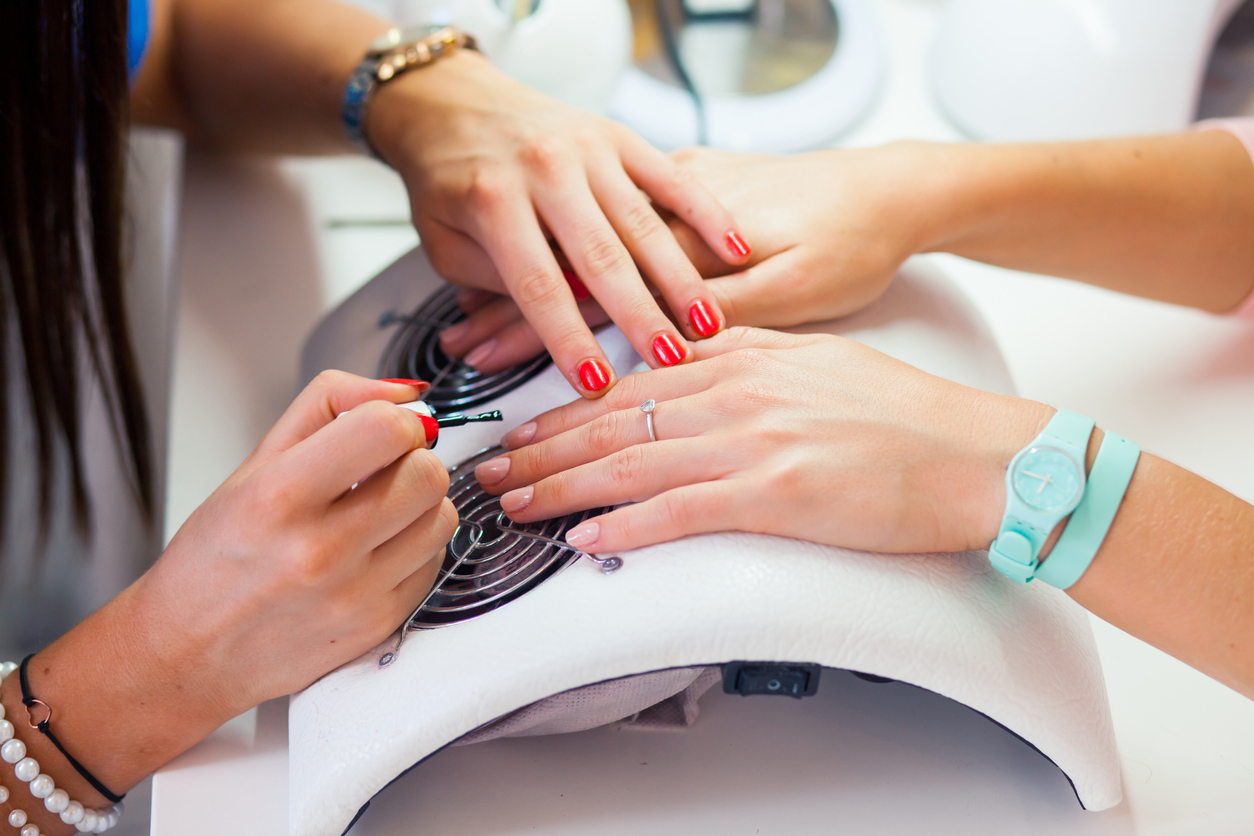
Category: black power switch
[770,678]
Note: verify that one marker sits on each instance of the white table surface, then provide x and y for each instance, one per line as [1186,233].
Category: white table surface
[267,248]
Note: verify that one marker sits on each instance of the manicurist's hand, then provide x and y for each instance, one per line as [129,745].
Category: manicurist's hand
[829,231]
[283,574]
[500,175]
[815,437]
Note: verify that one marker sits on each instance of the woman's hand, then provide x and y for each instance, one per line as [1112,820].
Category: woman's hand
[814,437]
[498,175]
[283,574]
[829,230]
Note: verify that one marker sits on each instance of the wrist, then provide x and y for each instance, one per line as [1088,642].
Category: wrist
[938,191]
[127,696]
[409,109]
[1003,426]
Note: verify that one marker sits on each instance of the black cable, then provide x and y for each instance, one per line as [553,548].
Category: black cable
[670,43]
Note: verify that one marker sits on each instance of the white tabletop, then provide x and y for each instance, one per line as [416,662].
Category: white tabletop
[267,248]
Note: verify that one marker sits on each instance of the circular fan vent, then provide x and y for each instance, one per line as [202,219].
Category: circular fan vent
[491,560]
[414,353]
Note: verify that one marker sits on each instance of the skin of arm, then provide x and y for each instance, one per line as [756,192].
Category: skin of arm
[824,439]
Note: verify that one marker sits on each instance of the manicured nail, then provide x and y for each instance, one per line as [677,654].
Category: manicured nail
[493,470]
[668,350]
[736,245]
[519,436]
[593,376]
[431,428]
[584,534]
[577,287]
[703,319]
[420,385]
[517,501]
[453,333]
[480,353]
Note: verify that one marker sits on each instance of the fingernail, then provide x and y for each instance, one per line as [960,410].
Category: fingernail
[480,353]
[703,319]
[431,428]
[453,333]
[668,350]
[519,436]
[493,470]
[516,501]
[593,376]
[736,245]
[584,534]
[576,285]
[420,385]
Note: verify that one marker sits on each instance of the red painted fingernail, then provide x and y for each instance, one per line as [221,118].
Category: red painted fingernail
[431,428]
[668,350]
[737,244]
[593,376]
[577,287]
[703,319]
[420,385]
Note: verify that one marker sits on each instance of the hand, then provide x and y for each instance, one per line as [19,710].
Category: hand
[814,437]
[282,575]
[829,229]
[494,169]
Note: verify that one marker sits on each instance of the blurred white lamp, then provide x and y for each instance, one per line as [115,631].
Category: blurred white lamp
[1062,69]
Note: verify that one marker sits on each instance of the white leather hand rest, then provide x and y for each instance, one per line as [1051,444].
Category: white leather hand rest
[1023,656]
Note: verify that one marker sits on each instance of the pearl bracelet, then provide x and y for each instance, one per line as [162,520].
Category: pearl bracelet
[13,751]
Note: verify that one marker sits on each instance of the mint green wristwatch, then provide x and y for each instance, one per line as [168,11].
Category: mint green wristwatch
[1044,483]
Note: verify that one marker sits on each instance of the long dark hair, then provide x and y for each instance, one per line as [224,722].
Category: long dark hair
[63,117]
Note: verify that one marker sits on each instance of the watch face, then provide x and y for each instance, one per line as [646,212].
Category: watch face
[1048,480]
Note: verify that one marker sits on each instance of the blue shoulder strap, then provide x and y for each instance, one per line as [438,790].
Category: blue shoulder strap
[136,35]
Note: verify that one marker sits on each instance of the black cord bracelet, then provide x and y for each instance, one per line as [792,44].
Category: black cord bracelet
[45,728]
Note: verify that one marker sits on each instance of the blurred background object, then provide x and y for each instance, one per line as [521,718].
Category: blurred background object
[1008,70]
[750,75]
[573,50]
[1228,89]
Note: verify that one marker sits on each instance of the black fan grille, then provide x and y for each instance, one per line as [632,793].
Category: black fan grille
[414,353]
[488,564]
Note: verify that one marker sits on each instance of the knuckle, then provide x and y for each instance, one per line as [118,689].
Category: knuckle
[536,286]
[627,465]
[642,223]
[486,190]
[603,433]
[605,254]
[677,509]
[427,475]
[543,154]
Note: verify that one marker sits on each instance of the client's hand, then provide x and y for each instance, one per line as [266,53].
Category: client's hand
[829,230]
[814,437]
[283,574]
[495,170]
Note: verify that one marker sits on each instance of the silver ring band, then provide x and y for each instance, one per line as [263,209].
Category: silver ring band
[647,408]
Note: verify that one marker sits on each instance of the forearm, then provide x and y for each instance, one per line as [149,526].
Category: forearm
[1177,570]
[1165,217]
[264,75]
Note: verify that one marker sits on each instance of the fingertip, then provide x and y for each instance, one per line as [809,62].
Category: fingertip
[595,378]
[736,248]
[704,319]
[420,385]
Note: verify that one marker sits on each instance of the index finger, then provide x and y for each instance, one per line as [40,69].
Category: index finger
[526,263]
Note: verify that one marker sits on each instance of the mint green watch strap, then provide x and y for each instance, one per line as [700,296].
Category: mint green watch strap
[1086,531]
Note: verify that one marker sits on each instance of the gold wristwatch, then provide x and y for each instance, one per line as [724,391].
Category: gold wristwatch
[392,54]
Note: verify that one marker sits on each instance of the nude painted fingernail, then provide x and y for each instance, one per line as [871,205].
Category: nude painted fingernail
[480,353]
[593,376]
[668,350]
[516,501]
[519,436]
[736,245]
[453,333]
[584,534]
[493,470]
[577,286]
[703,319]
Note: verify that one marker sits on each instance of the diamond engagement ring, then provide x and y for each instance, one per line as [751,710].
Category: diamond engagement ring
[647,408]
